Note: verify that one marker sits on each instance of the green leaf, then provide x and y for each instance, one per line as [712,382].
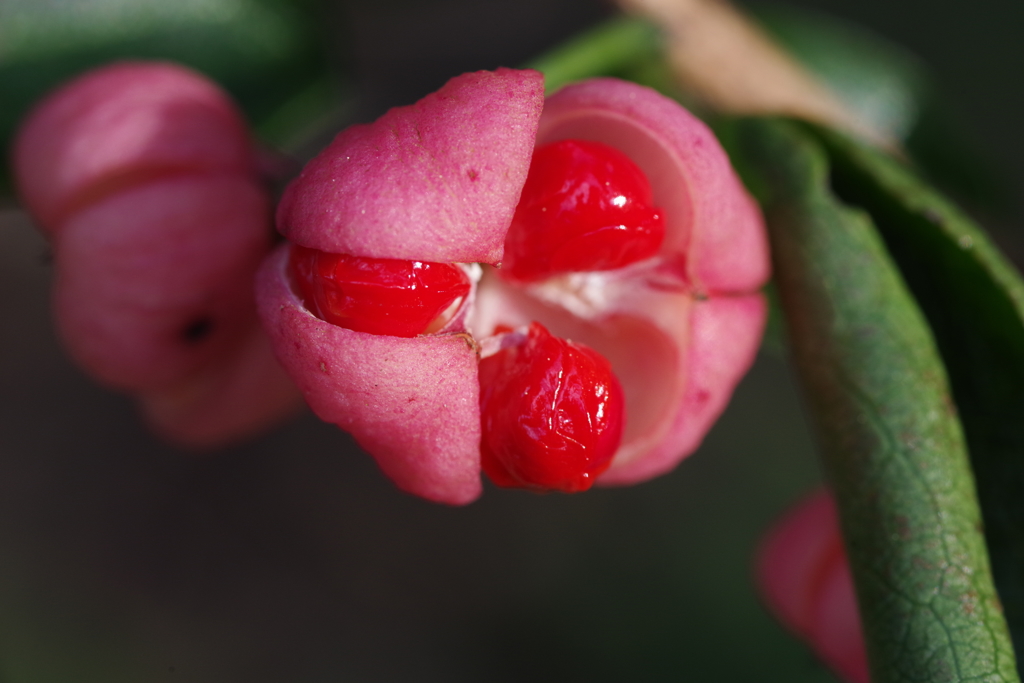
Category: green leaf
[892,446]
[974,301]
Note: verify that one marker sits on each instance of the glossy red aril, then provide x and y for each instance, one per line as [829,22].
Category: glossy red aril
[551,411]
[585,207]
[379,296]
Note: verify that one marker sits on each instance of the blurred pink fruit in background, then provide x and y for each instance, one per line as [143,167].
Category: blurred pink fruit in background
[143,177]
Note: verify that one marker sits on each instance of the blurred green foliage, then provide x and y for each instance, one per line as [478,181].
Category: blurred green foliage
[891,88]
[268,54]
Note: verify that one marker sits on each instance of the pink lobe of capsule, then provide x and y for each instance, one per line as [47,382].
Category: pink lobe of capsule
[435,181]
[232,400]
[138,269]
[724,335]
[122,125]
[804,578]
[413,403]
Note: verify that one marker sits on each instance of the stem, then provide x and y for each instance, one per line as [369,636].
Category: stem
[607,49]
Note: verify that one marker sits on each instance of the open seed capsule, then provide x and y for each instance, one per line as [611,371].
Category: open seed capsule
[675,310]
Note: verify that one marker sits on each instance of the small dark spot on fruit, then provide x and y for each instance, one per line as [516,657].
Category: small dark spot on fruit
[473,174]
[197,330]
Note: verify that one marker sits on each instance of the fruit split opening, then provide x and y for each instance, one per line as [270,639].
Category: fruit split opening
[552,411]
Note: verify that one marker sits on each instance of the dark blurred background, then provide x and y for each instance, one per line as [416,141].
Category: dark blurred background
[291,558]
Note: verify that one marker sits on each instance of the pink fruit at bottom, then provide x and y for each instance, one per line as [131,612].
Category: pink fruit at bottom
[804,578]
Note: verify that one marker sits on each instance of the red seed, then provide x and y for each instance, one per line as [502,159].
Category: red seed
[585,207]
[379,296]
[552,414]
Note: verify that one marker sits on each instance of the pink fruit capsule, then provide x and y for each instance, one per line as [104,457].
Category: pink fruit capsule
[439,181]
[551,410]
[804,577]
[142,176]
